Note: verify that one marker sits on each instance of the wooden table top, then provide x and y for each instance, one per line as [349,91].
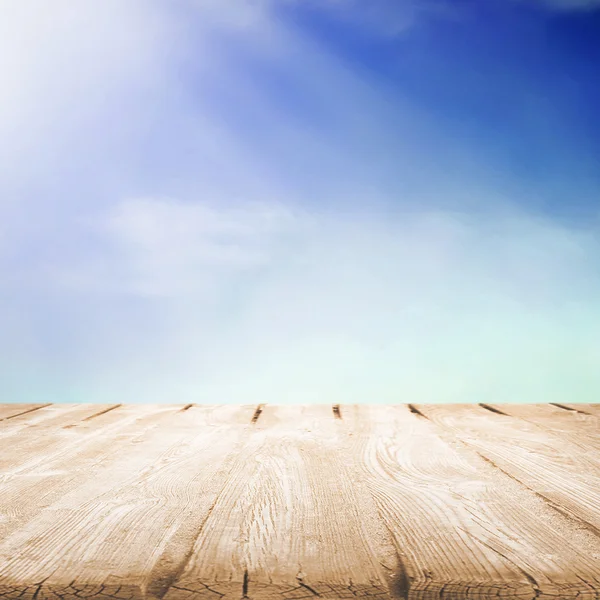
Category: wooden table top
[293,502]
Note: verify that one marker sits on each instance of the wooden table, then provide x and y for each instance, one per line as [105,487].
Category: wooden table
[295,502]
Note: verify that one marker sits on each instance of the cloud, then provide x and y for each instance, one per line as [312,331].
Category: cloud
[193,210]
[167,247]
[424,306]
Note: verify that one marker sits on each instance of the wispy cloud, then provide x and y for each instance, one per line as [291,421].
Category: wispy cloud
[427,306]
[205,205]
[166,247]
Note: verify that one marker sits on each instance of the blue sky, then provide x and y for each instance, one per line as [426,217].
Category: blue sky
[283,201]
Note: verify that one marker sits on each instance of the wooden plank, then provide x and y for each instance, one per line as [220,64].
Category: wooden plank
[39,440]
[20,419]
[89,447]
[547,464]
[593,409]
[258,568]
[159,502]
[124,532]
[291,522]
[462,528]
[50,414]
[66,435]
[579,428]
[10,411]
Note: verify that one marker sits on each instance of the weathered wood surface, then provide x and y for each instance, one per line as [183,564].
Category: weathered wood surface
[294,502]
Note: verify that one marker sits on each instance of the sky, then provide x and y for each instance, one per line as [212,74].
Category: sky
[275,201]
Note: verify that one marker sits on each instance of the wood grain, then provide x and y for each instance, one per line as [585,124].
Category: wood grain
[124,532]
[289,523]
[35,436]
[578,427]
[593,409]
[454,518]
[88,447]
[550,466]
[10,411]
[173,502]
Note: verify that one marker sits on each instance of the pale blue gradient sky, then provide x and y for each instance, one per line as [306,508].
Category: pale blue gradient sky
[235,201]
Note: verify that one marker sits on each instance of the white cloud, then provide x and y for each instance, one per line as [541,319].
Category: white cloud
[259,257]
[427,306]
[171,248]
